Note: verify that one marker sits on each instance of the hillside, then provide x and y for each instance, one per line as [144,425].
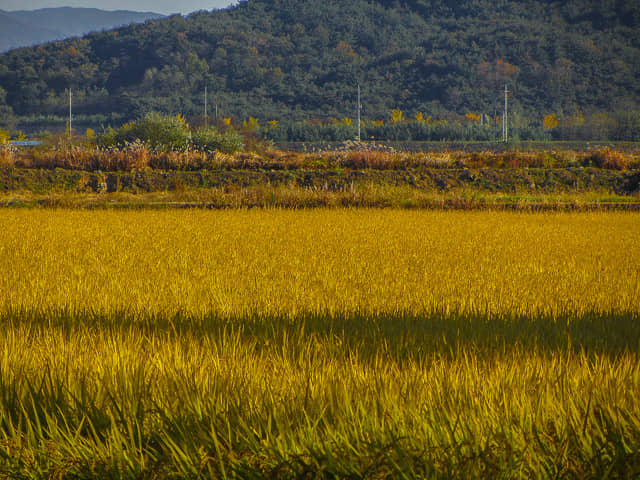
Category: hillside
[30,27]
[293,60]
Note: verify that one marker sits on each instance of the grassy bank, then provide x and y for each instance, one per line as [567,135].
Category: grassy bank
[458,188]
[358,175]
[303,198]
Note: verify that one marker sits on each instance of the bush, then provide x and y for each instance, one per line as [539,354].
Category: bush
[607,158]
[160,132]
[209,139]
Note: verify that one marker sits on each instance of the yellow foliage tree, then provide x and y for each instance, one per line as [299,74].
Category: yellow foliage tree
[89,137]
[227,121]
[378,123]
[397,115]
[4,136]
[474,117]
[419,117]
[550,122]
[347,121]
[251,125]
[272,124]
[72,51]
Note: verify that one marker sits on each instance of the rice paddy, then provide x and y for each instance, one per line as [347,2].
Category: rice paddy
[347,343]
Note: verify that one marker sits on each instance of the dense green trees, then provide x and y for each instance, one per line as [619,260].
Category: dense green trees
[158,131]
[299,61]
[207,139]
[166,132]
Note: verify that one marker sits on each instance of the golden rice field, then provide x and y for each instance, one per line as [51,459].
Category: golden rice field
[319,344]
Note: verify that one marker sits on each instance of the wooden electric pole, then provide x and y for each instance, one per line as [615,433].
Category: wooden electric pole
[70,117]
[505,121]
[359,108]
[206,119]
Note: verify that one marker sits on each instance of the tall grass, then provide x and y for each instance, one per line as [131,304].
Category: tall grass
[319,344]
[137,156]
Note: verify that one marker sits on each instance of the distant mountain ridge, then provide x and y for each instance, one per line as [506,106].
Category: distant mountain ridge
[23,28]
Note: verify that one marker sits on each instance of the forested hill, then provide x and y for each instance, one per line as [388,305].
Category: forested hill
[302,59]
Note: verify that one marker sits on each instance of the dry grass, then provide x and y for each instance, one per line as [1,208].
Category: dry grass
[137,156]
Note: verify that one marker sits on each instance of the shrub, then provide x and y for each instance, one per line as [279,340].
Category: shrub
[7,154]
[160,132]
[209,139]
[607,158]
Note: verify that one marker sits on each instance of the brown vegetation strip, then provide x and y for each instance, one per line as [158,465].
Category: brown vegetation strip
[301,203]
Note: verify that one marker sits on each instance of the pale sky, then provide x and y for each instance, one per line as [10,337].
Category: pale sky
[165,7]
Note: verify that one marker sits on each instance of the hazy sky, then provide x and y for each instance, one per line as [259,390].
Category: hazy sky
[158,6]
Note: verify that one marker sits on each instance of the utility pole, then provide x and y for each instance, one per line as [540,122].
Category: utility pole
[494,122]
[505,124]
[206,119]
[359,108]
[69,117]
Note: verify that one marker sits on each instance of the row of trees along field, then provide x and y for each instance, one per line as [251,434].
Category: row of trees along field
[296,61]
[620,126]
